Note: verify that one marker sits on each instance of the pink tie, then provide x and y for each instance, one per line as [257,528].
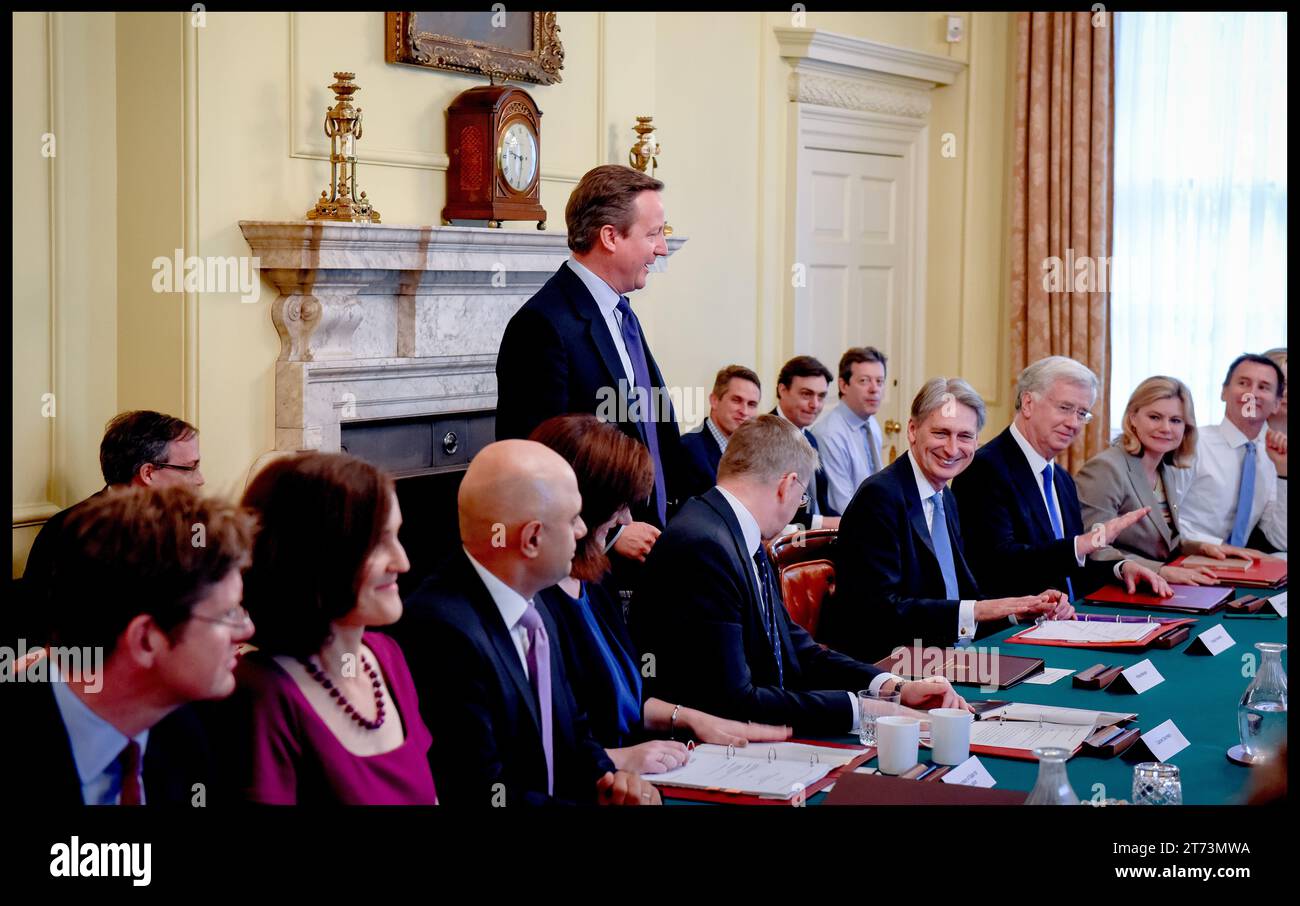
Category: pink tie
[539,674]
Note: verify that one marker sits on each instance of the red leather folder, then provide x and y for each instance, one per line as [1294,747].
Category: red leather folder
[1163,625]
[1267,573]
[735,797]
[1186,599]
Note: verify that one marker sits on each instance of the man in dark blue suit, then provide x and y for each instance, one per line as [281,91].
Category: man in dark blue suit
[732,402]
[489,674]
[1020,512]
[801,390]
[577,346]
[709,619]
[901,577]
[144,623]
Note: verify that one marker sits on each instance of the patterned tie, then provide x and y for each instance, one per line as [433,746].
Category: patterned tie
[812,482]
[766,602]
[1245,498]
[630,328]
[539,674]
[130,762]
[1055,517]
[873,457]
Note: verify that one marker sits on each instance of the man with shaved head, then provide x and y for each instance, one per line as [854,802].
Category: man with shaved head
[489,676]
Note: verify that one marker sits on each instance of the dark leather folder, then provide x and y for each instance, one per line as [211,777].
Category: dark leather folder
[877,789]
[963,666]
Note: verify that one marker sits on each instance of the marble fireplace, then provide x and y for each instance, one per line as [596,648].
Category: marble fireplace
[388,342]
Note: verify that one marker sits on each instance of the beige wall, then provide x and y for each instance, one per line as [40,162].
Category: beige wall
[64,246]
[221,123]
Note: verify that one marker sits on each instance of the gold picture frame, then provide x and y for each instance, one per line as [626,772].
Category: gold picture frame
[521,51]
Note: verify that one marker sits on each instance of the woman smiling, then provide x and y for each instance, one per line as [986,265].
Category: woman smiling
[1149,466]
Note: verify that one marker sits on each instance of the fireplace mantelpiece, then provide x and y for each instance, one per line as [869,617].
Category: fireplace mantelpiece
[380,321]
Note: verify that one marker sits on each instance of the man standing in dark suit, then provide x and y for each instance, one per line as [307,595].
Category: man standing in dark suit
[577,346]
[900,574]
[144,622]
[1020,512]
[489,675]
[732,402]
[801,390]
[709,619]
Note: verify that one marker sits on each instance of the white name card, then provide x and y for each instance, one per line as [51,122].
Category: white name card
[1216,640]
[1142,676]
[969,773]
[1278,603]
[1165,741]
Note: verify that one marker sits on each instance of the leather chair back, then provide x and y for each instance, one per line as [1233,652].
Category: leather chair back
[807,574]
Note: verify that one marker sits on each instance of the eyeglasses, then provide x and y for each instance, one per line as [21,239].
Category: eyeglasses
[803,501]
[179,468]
[236,618]
[1069,410]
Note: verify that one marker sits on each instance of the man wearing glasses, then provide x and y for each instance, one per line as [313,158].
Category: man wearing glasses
[140,448]
[1020,514]
[160,620]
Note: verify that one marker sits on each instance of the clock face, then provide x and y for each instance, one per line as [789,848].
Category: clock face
[517,156]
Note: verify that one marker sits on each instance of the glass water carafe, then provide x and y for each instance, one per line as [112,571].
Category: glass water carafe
[1053,786]
[1261,716]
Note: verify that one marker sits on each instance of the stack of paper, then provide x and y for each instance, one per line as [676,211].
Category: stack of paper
[1089,631]
[771,770]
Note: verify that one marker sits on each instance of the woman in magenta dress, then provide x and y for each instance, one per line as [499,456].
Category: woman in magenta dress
[325,712]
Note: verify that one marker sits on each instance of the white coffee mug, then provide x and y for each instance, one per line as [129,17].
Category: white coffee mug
[950,735]
[897,738]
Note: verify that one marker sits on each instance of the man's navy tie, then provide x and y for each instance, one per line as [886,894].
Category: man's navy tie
[630,328]
[768,601]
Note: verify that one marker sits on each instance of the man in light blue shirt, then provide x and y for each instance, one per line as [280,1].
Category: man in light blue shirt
[849,438]
[143,622]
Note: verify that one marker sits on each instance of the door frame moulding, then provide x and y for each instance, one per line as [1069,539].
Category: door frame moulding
[856,95]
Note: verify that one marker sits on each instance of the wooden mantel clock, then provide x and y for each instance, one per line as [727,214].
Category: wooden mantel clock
[494,148]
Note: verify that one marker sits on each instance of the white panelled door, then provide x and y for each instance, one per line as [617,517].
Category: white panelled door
[853,225]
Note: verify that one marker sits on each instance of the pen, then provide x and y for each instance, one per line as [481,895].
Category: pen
[1251,616]
[929,770]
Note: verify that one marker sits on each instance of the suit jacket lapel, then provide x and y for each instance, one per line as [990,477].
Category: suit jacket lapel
[964,574]
[722,507]
[1029,487]
[915,510]
[1146,497]
[495,626]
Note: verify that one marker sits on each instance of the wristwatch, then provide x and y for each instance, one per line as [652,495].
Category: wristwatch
[898,687]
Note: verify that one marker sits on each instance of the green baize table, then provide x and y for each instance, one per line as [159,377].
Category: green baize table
[1200,693]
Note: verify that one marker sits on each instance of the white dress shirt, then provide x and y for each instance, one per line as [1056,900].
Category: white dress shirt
[1036,464]
[512,606]
[607,301]
[753,541]
[966,610]
[1209,505]
[96,745]
[816,519]
[843,437]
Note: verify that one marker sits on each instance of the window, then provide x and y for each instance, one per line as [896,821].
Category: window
[1199,269]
